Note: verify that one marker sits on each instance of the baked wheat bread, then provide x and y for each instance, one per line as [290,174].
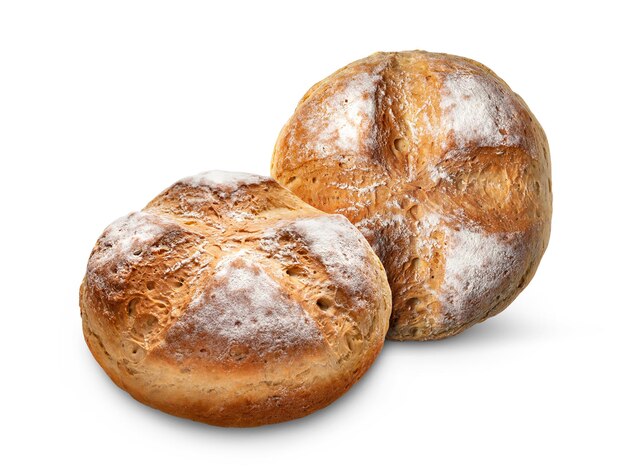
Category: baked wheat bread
[230,301]
[442,167]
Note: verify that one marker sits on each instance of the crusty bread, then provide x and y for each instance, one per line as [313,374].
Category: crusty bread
[442,167]
[230,301]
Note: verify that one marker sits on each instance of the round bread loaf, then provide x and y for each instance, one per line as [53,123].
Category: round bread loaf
[230,301]
[442,167]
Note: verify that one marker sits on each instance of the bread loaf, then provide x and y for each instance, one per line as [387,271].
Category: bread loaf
[230,301]
[442,167]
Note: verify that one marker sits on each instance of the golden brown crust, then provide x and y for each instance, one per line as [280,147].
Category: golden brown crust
[444,170]
[222,302]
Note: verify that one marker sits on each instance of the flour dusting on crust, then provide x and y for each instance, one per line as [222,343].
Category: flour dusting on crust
[347,117]
[477,109]
[245,305]
[338,245]
[124,244]
[476,264]
[426,243]
[356,189]
[225,180]
[127,238]
[333,241]
[438,174]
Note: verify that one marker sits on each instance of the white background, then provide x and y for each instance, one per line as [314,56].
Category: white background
[104,104]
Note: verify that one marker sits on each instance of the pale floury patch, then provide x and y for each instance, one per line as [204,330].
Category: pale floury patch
[226,180]
[476,263]
[244,304]
[478,110]
[347,117]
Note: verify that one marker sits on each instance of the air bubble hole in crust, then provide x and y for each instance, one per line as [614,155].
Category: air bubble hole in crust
[177,283]
[412,302]
[295,271]
[401,145]
[323,303]
[133,351]
[145,325]
[132,307]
